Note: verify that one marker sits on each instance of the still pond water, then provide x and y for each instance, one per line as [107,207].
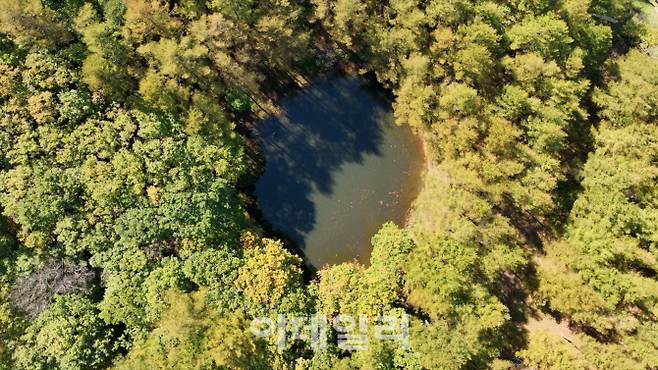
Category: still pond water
[337,167]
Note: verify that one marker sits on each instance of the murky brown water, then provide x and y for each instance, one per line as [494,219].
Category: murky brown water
[337,167]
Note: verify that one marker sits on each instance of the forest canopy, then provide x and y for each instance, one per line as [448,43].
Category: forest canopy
[127,239]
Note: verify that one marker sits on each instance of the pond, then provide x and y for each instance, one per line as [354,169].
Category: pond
[336,168]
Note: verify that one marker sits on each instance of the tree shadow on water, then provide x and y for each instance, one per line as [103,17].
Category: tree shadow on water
[334,122]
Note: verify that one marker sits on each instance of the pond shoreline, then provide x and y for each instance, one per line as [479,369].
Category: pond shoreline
[428,165]
[248,183]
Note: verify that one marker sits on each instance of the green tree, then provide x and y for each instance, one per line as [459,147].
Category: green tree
[548,352]
[69,335]
[352,288]
[31,23]
[602,275]
[271,276]
[192,335]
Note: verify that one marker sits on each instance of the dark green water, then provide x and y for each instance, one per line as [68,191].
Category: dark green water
[337,167]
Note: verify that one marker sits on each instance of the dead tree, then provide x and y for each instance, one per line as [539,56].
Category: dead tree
[34,293]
